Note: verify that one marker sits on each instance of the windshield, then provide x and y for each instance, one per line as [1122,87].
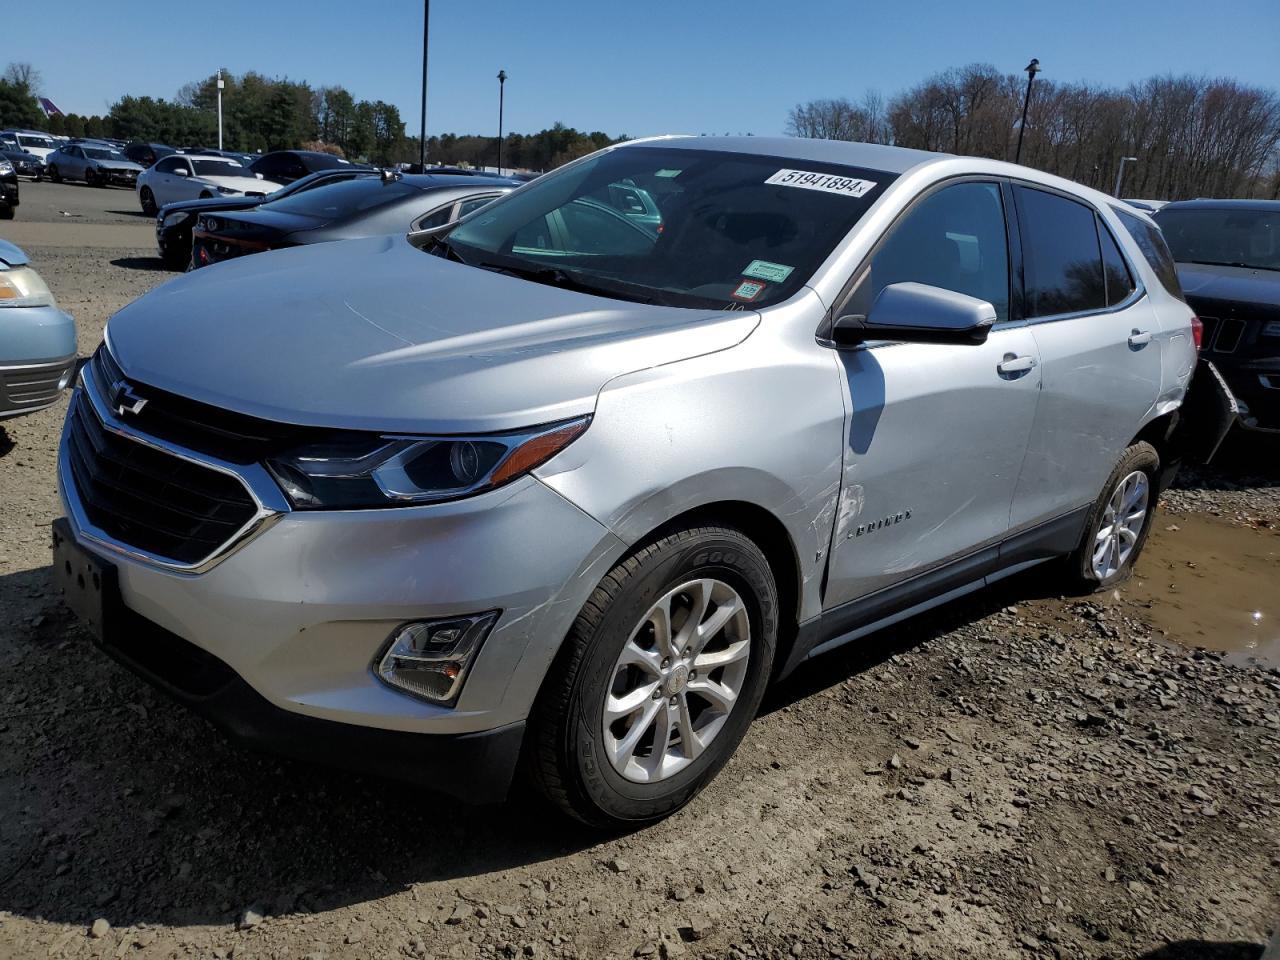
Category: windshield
[690,228]
[41,142]
[1228,236]
[218,168]
[103,153]
[343,198]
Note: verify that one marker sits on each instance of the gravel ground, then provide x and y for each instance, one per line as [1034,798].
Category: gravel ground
[1021,774]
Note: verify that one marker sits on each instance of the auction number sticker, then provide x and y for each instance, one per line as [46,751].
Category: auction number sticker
[826,182]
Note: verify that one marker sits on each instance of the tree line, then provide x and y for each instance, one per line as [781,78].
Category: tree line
[1192,136]
[261,113]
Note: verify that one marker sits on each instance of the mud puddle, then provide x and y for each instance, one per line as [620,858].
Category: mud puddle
[1206,582]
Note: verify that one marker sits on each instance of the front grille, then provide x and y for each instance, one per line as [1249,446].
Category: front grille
[149,499]
[1230,333]
[31,387]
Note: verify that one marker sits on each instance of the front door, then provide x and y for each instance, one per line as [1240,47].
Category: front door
[1100,352]
[937,433]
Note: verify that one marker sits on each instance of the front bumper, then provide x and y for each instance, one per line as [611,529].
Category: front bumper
[124,178]
[298,614]
[1256,386]
[37,352]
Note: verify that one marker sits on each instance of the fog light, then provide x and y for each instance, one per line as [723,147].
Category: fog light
[430,658]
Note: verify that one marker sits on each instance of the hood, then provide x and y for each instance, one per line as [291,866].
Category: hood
[259,223]
[11,255]
[1242,285]
[123,166]
[210,204]
[374,334]
[243,184]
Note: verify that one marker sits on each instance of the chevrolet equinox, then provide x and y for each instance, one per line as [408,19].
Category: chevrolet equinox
[562,487]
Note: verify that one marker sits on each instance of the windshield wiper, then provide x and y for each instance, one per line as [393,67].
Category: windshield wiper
[559,277]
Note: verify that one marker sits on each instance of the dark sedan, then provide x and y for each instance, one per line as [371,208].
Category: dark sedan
[146,154]
[8,190]
[1228,256]
[286,166]
[175,220]
[24,164]
[365,206]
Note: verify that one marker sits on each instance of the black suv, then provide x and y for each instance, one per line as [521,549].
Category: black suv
[1228,256]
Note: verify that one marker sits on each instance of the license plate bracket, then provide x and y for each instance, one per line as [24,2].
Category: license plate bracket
[87,582]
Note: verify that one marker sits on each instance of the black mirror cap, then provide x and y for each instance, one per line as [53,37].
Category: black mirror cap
[918,313]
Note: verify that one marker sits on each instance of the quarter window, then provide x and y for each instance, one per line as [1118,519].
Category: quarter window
[471,205]
[1063,261]
[1116,270]
[1151,242]
[954,239]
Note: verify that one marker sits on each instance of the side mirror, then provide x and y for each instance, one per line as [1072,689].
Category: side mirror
[181,172]
[918,313]
[258,175]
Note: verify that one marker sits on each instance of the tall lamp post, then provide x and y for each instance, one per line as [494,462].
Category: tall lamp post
[502,81]
[1032,69]
[220,86]
[426,23]
[1120,173]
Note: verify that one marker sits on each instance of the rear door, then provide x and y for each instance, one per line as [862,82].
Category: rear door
[936,432]
[1097,335]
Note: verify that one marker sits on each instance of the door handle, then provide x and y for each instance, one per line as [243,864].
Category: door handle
[1015,364]
[1139,338]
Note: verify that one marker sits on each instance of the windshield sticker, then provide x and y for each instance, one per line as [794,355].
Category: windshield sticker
[764,270]
[668,173]
[826,182]
[748,290]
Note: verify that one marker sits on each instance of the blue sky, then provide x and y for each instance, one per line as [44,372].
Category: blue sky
[693,66]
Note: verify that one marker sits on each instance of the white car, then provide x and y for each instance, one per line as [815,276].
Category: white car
[187,177]
[32,141]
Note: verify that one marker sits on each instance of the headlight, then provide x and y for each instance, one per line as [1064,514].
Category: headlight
[173,219]
[356,472]
[23,287]
[227,191]
[6,166]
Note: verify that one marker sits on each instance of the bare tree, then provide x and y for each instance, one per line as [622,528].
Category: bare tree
[23,75]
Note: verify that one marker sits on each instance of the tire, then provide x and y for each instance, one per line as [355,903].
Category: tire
[1138,472]
[54,175]
[573,758]
[148,201]
[7,212]
[174,261]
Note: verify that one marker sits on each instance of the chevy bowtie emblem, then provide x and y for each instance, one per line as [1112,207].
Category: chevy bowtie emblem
[123,400]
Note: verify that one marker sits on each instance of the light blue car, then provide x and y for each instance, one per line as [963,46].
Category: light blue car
[37,340]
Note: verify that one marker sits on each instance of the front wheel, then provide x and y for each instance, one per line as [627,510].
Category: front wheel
[1119,521]
[658,680]
[54,175]
[148,201]
[6,212]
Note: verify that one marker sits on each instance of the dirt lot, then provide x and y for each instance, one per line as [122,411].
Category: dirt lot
[1020,775]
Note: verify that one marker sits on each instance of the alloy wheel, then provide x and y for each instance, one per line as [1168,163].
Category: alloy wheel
[677,680]
[1121,524]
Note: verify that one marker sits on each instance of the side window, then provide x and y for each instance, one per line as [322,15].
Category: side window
[1151,242]
[592,229]
[954,239]
[1062,258]
[436,218]
[1115,270]
[471,205]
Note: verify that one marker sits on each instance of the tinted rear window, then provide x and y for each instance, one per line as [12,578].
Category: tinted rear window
[1149,240]
[1119,280]
[344,198]
[1063,262]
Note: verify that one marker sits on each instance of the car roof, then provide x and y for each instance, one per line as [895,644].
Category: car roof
[429,181]
[872,156]
[1207,203]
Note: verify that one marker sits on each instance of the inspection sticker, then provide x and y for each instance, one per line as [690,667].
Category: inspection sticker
[748,290]
[826,182]
[764,270]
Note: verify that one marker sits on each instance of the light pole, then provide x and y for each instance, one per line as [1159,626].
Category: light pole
[1120,174]
[426,23]
[220,86]
[502,81]
[1032,69]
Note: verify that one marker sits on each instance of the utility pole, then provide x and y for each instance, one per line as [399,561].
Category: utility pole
[426,23]
[220,86]
[1120,174]
[502,80]
[1032,69]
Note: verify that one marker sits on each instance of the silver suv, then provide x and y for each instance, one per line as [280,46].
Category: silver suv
[564,486]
